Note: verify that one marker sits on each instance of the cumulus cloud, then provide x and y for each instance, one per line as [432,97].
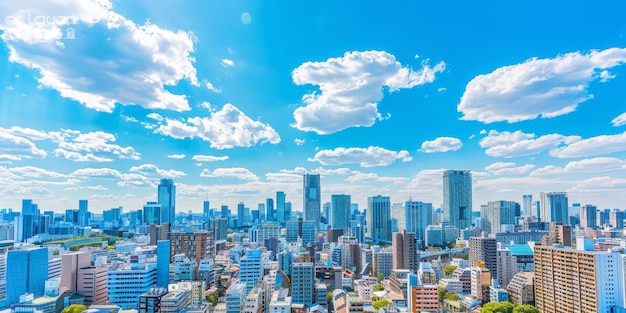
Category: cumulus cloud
[92,144]
[224,129]
[176,156]
[153,170]
[366,157]
[537,87]
[593,165]
[209,158]
[508,168]
[299,142]
[138,63]
[15,148]
[619,120]
[123,179]
[507,144]
[604,144]
[350,88]
[373,177]
[227,62]
[211,87]
[441,144]
[33,134]
[230,172]
[32,171]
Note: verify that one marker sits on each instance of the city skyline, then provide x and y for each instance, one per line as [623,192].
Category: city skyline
[91,112]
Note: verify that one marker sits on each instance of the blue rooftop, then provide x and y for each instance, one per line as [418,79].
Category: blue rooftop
[520,250]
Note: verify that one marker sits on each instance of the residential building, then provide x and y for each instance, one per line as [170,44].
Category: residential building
[404,246]
[303,283]
[522,288]
[480,283]
[422,297]
[484,249]
[506,266]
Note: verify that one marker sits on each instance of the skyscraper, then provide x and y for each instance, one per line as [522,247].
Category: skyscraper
[500,216]
[457,198]
[379,218]
[206,209]
[303,283]
[554,207]
[527,205]
[340,212]
[163,263]
[484,249]
[167,200]
[312,197]
[588,217]
[269,207]
[242,219]
[418,215]
[280,207]
[83,212]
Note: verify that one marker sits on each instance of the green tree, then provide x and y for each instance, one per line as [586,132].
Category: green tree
[449,269]
[381,277]
[525,308]
[329,295]
[381,303]
[498,307]
[452,296]
[378,287]
[442,293]
[74,308]
[230,231]
[213,298]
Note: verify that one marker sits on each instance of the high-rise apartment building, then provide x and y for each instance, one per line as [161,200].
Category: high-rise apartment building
[484,249]
[312,197]
[421,297]
[167,199]
[379,218]
[554,207]
[418,215]
[195,245]
[340,212]
[404,247]
[303,283]
[507,266]
[578,280]
[457,198]
[500,216]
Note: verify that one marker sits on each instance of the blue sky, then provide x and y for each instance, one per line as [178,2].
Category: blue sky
[235,100]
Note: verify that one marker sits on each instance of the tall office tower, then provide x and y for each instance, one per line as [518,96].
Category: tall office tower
[287,211]
[603,216]
[261,208]
[242,219]
[404,246]
[588,217]
[280,207]
[293,231]
[225,211]
[219,227]
[163,263]
[578,280]
[27,272]
[128,282]
[616,219]
[195,245]
[379,218]
[507,266]
[326,212]
[340,212]
[536,208]
[83,212]
[206,209]
[307,232]
[167,200]
[269,209]
[457,198]
[527,205]
[151,213]
[251,269]
[484,249]
[500,216]
[70,264]
[554,207]
[418,215]
[303,283]
[93,284]
[398,213]
[312,197]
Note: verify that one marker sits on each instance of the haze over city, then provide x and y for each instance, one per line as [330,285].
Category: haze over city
[244,98]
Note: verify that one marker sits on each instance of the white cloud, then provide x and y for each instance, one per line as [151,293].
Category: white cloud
[151,169]
[207,105]
[373,177]
[350,88]
[513,144]
[620,120]
[33,134]
[441,144]
[230,172]
[139,61]
[537,87]
[227,62]
[604,144]
[224,129]
[508,168]
[104,172]
[92,144]
[176,156]
[299,142]
[592,165]
[603,184]
[365,157]
[32,171]
[209,158]
[283,177]
[123,179]
[155,116]
[15,148]
[442,89]
[211,87]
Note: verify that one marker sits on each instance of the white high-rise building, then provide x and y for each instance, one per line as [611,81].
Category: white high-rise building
[507,266]
[554,207]
[527,205]
[500,216]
